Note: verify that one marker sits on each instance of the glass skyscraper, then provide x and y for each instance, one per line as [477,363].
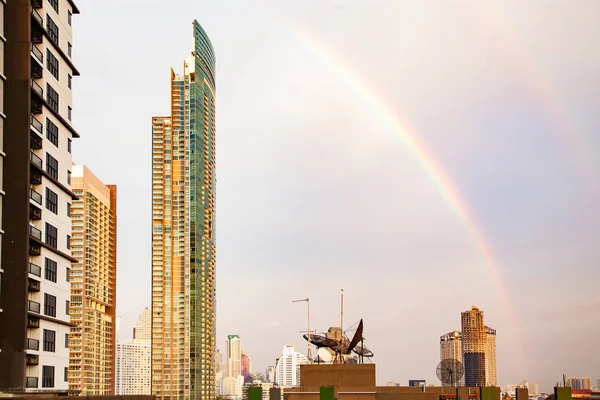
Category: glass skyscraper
[183,232]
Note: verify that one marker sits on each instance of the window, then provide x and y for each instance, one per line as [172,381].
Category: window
[52,97]
[70,112]
[69,145]
[69,49]
[51,235]
[50,270]
[67,312]
[51,201]
[49,340]
[54,4]
[52,166]
[66,340]
[52,29]
[68,209]
[52,63]
[69,16]
[69,80]
[47,376]
[69,242]
[52,132]
[67,368]
[49,305]
[68,274]
[68,177]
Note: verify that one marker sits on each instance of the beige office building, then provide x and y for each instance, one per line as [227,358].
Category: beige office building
[451,348]
[93,284]
[479,349]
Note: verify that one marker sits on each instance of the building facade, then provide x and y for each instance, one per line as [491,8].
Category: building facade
[234,356]
[36,220]
[580,383]
[246,366]
[183,232]
[287,371]
[93,285]
[132,375]
[478,350]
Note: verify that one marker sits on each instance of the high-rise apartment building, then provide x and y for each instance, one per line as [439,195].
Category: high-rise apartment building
[451,348]
[37,195]
[93,284]
[133,360]
[479,349]
[234,355]
[183,232]
[246,366]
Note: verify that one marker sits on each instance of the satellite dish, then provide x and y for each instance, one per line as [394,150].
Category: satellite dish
[324,354]
[450,371]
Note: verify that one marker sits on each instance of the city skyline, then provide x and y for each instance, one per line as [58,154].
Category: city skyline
[473,98]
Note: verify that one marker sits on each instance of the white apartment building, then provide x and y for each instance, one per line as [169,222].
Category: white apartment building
[287,371]
[133,369]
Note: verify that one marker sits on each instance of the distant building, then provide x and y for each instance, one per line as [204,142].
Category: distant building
[133,360]
[287,371]
[580,383]
[142,331]
[416,382]
[451,348]
[270,373]
[234,356]
[479,350]
[231,386]
[246,367]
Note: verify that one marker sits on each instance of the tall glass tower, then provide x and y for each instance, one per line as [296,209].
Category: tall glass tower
[183,232]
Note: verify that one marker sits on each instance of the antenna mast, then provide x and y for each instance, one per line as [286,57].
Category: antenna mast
[342,313]
[307,300]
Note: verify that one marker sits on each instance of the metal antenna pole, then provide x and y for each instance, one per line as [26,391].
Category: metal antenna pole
[342,313]
[307,300]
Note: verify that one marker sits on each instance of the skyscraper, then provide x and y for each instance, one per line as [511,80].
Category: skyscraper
[287,371]
[479,349]
[93,285]
[579,383]
[36,243]
[451,348]
[246,367]
[183,232]
[133,359]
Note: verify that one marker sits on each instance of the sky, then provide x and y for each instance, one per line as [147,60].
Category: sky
[423,156]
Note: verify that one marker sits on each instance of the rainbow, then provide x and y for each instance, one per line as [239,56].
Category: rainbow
[410,138]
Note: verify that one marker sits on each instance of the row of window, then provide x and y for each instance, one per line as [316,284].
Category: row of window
[52,168]
[51,271]
[52,134]
[49,342]
[52,236]
[52,66]
[47,377]
[50,305]
[52,99]
[52,202]
[54,4]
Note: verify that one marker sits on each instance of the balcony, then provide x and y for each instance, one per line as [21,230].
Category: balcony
[35,233]
[33,344]
[31,382]
[33,322]
[37,3]
[37,53]
[36,105]
[33,306]
[35,269]
[37,89]
[33,359]
[37,71]
[35,177]
[35,249]
[37,126]
[35,160]
[37,17]
[33,286]
[35,142]
[35,213]
[35,196]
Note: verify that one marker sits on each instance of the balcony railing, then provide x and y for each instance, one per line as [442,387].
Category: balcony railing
[33,285]
[37,53]
[31,382]
[33,322]
[33,344]
[35,233]
[33,306]
[35,269]
[35,196]
[37,125]
[36,160]
[37,17]
[37,88]
[33,359]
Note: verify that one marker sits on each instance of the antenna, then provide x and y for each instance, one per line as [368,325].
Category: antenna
[307,300]
[342,312]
